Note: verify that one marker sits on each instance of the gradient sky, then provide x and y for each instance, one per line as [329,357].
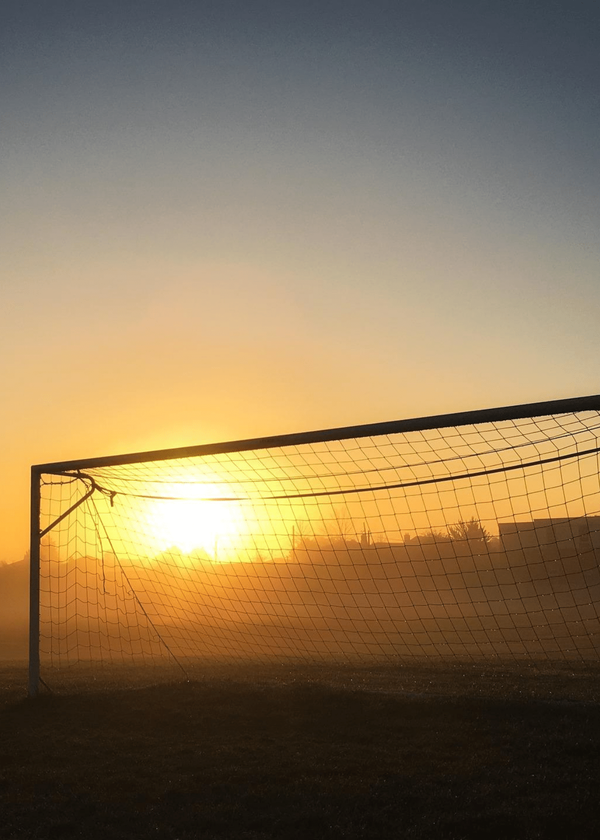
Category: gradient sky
[230,219]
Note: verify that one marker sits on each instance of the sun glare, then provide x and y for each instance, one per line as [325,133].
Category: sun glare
[197,524]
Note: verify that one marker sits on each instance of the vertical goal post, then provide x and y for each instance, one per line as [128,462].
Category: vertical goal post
[417,473]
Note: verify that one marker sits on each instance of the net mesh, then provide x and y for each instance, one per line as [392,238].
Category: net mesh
[478,541]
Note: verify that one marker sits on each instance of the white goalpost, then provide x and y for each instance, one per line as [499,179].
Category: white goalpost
[470,536]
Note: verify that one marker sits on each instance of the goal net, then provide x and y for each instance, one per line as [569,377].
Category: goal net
[465,536]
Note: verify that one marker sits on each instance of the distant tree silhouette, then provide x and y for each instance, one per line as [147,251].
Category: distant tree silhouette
[471,531]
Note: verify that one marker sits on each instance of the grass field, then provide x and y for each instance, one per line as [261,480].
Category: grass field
[283,752]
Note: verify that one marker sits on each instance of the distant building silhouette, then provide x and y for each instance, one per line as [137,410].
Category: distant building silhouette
[570,534]
[366,540]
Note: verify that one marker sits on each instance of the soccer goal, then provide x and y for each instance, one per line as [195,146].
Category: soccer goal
[466,536]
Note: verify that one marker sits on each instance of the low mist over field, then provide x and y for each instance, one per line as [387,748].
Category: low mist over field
[459,595]
[14,609]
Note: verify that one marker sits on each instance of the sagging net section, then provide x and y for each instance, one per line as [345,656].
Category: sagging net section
[471,542]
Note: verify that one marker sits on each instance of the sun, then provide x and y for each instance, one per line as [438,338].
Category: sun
[193,524]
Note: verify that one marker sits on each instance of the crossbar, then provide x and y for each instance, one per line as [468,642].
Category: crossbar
[418,424]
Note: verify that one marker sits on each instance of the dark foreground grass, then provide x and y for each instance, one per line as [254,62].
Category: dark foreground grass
[303,757]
